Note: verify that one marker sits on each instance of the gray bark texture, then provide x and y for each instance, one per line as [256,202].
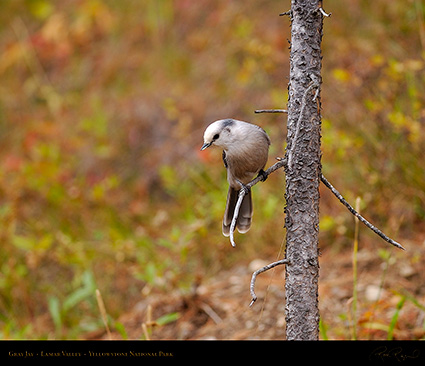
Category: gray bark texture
[303,172]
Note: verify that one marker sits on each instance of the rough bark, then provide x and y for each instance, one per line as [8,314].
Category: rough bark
[303,171]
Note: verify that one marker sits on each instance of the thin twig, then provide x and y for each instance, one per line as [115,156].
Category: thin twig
[324,13]
[245,189]
[145,332]
[289,13]
[356,214]
[261,270]
[102,309]
[316,94]
[355,252]
[241,195]
[211,313]
[271,111]
[148,324]
[279,164]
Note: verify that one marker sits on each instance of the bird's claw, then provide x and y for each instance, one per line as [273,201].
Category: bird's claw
[263,175]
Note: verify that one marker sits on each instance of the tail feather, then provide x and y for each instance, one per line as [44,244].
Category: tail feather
[245,214]
[243,222]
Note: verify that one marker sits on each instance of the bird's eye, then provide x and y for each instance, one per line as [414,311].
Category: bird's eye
[216,136]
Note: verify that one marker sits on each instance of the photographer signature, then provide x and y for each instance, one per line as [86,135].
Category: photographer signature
[384,353]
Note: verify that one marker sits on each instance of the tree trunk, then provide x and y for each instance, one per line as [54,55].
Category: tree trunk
[303,171]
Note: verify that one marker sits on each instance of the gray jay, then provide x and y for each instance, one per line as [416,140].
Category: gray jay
[245,152]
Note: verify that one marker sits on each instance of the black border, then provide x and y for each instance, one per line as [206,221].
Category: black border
[251,352]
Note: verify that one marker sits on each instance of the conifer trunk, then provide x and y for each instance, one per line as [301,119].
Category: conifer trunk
[303,171]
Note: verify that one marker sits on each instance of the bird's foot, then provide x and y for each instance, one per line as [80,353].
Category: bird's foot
[263,175]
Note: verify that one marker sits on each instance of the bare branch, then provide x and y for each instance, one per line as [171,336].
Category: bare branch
[211,313]
[323,12]
[261,270]
[279,164]
[271,111]
[289,13]
[102,309]
[356,214]
[244,190]
[241,195]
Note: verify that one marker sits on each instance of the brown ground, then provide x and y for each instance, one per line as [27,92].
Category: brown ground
[218,307]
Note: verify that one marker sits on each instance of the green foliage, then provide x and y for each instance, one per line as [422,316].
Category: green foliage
[167,318]
[394,318]
[61,312]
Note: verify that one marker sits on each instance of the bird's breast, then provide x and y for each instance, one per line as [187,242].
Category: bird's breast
[244,164]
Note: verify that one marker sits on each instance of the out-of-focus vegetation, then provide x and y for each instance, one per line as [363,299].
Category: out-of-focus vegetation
[102,110]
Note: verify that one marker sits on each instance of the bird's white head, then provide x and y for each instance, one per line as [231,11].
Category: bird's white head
[218,133]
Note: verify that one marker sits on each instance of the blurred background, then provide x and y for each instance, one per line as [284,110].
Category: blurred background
[103,105]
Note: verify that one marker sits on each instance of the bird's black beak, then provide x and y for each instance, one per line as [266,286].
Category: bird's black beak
[207,144]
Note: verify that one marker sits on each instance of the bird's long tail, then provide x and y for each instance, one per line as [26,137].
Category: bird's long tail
[243,222]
